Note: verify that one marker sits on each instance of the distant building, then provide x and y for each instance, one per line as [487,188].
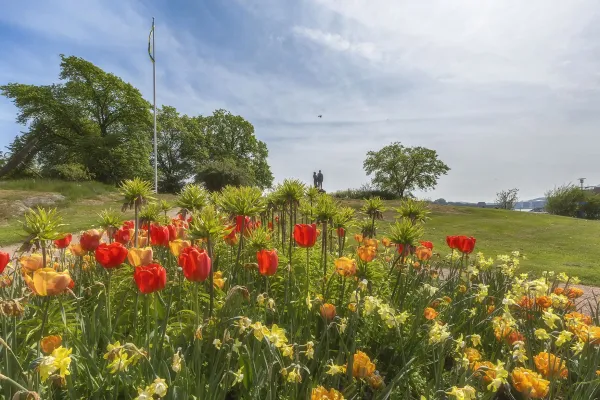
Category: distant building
[481,204]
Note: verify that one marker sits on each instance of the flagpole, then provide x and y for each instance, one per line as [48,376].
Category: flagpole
[154,90]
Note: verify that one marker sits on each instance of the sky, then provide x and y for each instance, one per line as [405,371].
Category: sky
[506,92]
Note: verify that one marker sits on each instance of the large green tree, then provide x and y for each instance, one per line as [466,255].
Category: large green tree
[92,123]
[226,151]
[401,169]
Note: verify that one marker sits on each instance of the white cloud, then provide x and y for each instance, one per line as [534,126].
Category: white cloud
[338,43]
[505,91]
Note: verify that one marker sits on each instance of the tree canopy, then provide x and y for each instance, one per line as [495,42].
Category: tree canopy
[93,125]
[93,122]
[401,169]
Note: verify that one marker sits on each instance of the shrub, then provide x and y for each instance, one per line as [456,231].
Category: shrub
[564,200]
[70,172]
[364,192]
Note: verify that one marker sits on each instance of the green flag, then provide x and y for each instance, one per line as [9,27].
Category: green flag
[151,42]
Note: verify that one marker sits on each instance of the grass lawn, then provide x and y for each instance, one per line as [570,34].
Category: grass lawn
[83,201]
[549,242]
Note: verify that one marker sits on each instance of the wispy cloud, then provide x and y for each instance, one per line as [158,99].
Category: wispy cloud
[506,91]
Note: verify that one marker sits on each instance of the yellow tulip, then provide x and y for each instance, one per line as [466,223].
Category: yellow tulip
[178,245]
[48,282]
[77,250]
[31,263]
[138,257]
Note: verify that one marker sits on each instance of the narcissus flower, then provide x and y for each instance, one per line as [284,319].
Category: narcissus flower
[218,280]
[178,245]
[31,262]
[59,361]
[150,278]
[137,257]
[90,239]
[463,393]
[345,266]
[530,383]
[63,242]
[267,262]
[305,235]
[111,255]
[320,393]
[159,235]
[196,264]
[362,366]
[48,282]
[550,366]
[328,311]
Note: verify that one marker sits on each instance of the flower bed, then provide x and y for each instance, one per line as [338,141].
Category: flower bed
[245,296]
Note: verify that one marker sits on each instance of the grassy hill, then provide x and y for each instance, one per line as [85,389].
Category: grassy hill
[549,242]
[78,203]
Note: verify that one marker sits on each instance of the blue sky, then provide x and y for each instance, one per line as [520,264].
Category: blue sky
[506,91]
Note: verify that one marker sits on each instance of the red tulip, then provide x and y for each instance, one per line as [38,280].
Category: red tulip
[267,262]
[195,263]
[159,235]
[129,224]
[123,235]
[341,232]
[150,278]
[111,255]
[4,260]
[64,242]
[270,225]
[172,232]
[305,235]
[429,245]
[451,241]
[465,244]
[90,240]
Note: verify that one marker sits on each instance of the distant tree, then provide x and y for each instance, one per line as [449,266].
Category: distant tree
[92,121]
[215,175]
[174,163]
[506,199]
[401,169]
[228,139]
[564,200]
[441,202]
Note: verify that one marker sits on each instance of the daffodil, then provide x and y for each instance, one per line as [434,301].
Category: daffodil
[335,369]
[550,318]
[541,334]
[564,337]
[217,343]
[476,340]
[464,393]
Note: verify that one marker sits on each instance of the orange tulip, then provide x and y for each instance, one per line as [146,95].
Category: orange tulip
[137,257]
[430,313]
[386,242]
[362,366]
[544,301]
[367,253]
[423,253]
[358,237]
[550,366]
[48,282]
[328,311]
[345,266]
[31,263]
[49,343]
[178,245]
[530,383]
[371,242]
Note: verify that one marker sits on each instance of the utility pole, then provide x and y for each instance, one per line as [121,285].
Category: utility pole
[581,182]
